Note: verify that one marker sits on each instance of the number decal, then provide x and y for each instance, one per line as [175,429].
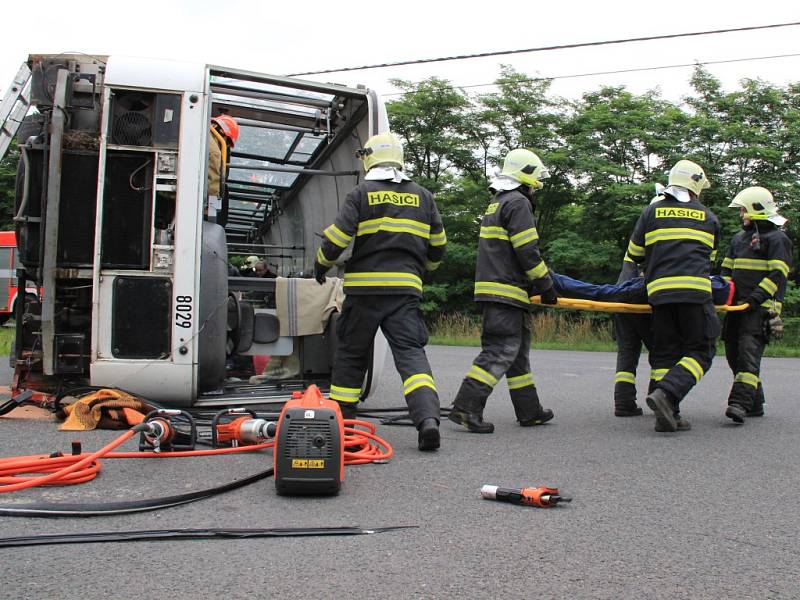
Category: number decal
[183,311]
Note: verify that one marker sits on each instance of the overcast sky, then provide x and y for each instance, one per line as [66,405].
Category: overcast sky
[287,37]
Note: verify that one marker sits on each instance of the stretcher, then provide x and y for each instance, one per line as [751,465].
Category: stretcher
[621,307]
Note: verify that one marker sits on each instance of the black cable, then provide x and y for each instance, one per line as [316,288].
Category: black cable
[188,534]
[54,509]
[548,48]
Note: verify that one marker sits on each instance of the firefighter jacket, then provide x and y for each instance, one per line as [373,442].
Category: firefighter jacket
[677,242]
[217,161]
[758,261]
[398,237]
[509,267]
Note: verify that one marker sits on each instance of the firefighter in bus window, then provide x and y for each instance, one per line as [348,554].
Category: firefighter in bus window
[223,135]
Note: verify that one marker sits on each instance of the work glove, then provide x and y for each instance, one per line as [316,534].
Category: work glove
[775,324]
[549,296]
[319,273]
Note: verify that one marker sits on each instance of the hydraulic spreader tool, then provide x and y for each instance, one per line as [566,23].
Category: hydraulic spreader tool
[541,497]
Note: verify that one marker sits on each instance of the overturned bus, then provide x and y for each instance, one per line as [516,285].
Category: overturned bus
[114,226]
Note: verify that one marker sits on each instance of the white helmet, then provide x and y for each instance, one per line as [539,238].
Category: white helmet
[689,175]
[758,204]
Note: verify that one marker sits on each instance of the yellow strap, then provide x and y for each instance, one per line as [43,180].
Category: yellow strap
[619,307]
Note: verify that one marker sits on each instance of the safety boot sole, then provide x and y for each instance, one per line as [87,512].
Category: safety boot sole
[662,407]
[462,419]
[636,411]
[736,413]
[543,418]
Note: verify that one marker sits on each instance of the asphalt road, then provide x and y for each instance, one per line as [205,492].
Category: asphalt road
[709,513]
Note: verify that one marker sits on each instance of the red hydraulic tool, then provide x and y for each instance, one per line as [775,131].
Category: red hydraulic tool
[541,497]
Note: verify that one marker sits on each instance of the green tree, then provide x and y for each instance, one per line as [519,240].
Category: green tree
[8,174]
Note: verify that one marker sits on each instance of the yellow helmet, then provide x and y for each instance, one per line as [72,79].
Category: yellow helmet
[524,166]
[382,149]
[689,175]
[759,205]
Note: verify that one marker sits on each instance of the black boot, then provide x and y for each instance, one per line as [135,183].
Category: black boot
[471,420]
[736,413]
[428,438]
[660,403]
[681,424]
[625,400]
[541,417]
[349,410]
[527,407]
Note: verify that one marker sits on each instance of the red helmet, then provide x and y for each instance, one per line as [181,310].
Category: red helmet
[228,125]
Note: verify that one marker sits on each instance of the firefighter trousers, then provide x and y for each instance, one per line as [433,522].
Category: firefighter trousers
[400,319]
[505,350]
[684,338]
[745,339]
[630,331]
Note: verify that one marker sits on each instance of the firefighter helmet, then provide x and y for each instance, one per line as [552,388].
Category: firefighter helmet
[524,166]
[228,125]
[758,204]
[689,175]
[382,149]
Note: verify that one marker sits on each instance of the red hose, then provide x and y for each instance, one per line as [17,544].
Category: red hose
[23,472]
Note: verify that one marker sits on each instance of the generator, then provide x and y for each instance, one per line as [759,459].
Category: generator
[309,445]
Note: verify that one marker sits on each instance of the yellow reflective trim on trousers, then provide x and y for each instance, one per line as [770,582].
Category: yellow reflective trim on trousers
[382,279]
[520,381]
[524,237]
[625,377]
[635,250]
[748,378]
[321,259]
[478,374]
[678,233]
[337,236]
[537,272]
[393,225]
[768,285]
[702,284]
[417,381]
[432,265]
[503,290]
[727,262]
[658,374]
[438,239]
[345,394]
[495,233]
[691,365]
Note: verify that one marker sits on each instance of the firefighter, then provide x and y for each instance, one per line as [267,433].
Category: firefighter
[398,238]
[224,133]
[758,261]
[677,238]
[509,270]
[630,331]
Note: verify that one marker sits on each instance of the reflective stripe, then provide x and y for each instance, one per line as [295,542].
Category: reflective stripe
[702,284]
[768,285]
[344,394]
[658,374]
[751,264]
[713,256]
[431,265]
[438,239]
[779,265]
[501,289]
[773,305]
[625,377]
[382,280]
[727,262]
[393,225]
[748,378]
[417,381]
[337,236]
[324,261]
[678,233]
[634,250]
[524,237]
[627,258]
[727,278]
[691,365]
[494,232]
[520,381]
[478,374]
[537,272]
